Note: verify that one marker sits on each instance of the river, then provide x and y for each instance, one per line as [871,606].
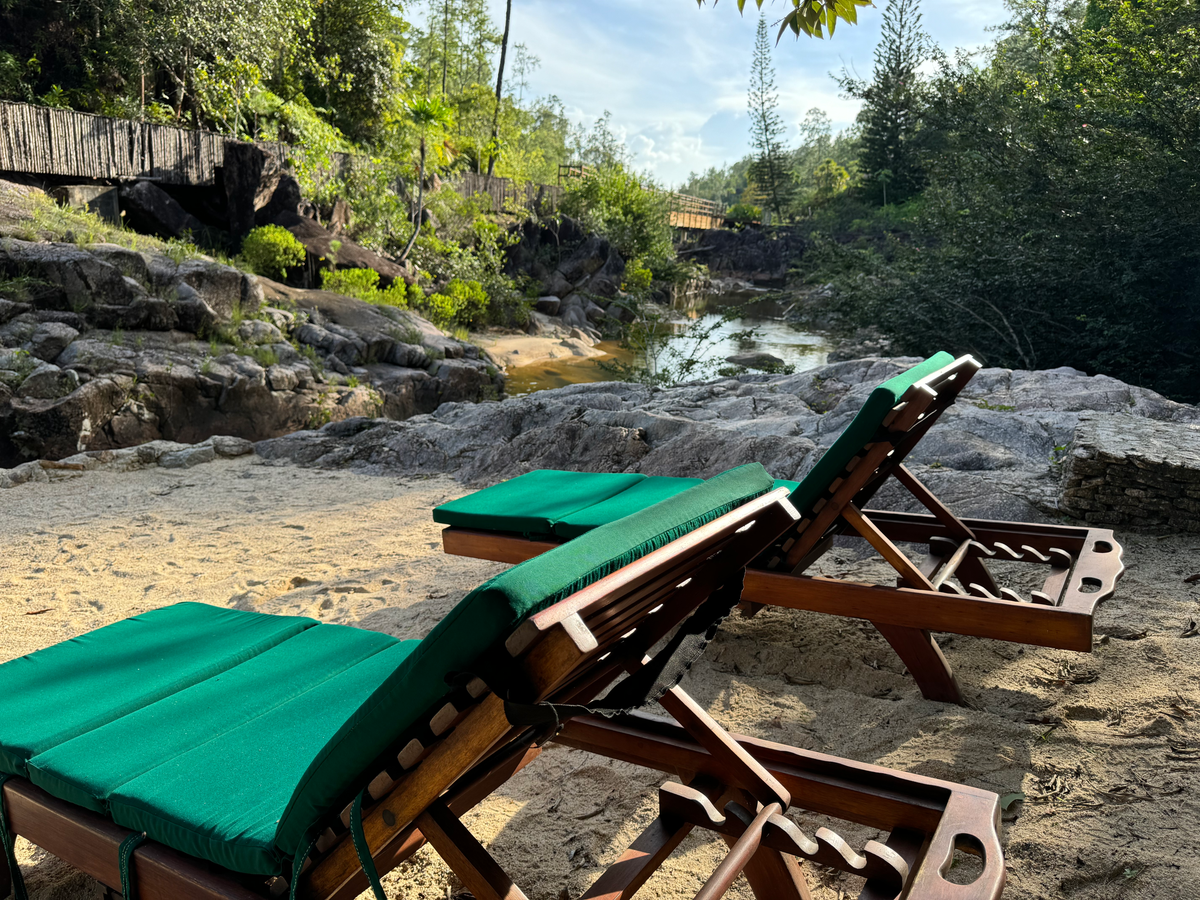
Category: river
[758,313]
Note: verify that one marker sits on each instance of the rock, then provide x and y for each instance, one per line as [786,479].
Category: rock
[410,356]
[757,360]
[191,456]
[348,349]
[196,316]
[223,288]
[143,314]
[750,254]
[100,199]
[282,378]
[252,175]
[48,382]
[68,278]
[621,311]
[548,305]
[285,200]
[594,312]
[587,258]
[556,285]
[10,310]
[53,429]
[129,263]
[1125,470]
[151,210]
[318,241]
[229,446]
[281,319]
[253,331]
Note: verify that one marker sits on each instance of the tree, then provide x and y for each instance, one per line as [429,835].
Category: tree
[499,86]
[890,163]
[427,114]
[770,170]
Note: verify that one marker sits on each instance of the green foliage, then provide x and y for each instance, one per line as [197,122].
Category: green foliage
[478,256]
[893,101]
[812,17]
[637,277]
[364,284]
[769,172]
[744,213]
[1061,224]
[614,203]
[461,303]
[271,250]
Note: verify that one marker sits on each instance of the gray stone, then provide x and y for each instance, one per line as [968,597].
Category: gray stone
[185,459]
[282,378]
[229,446]
[556,285]
[222,287]
[758,360]
[10,309]
[281,319]
[595,312]
[151,210]
[49,382]
[548,305]
[253,331]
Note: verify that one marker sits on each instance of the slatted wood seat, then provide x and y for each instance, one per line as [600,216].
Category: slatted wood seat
[465,746]
[951,589]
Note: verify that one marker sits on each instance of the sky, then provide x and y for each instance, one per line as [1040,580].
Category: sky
[675,76]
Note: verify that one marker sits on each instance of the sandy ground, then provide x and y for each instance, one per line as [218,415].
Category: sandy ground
[1104,748]
[529,349]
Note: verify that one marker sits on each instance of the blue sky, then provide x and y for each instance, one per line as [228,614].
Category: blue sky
[674,76]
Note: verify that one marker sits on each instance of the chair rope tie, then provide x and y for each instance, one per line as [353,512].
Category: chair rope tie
[298,862]
[124,858]
[10,846]
[362,849]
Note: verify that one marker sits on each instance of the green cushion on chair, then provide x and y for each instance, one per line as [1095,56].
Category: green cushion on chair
[223,799]
[89,768]
[635,499]
[533,502]
[860,431]
[487,616]
[56,694]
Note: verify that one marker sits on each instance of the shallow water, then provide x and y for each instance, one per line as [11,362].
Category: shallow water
[763,315]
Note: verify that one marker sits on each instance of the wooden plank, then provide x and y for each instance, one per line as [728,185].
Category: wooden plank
[474,866]
[89,842]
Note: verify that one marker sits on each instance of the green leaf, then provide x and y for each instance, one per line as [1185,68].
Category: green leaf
[1007,800]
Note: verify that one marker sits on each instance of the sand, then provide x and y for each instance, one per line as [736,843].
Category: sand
[1103,747]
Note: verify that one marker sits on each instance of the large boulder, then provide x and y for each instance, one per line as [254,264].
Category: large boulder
[151,210]
[67,277]
[48,382]
[318,242]
[50,339]
[224,288]
[253,175]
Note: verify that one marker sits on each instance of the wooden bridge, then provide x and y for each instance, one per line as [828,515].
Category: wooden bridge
[685,210]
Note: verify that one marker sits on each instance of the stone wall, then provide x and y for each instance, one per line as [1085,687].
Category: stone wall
[1134,472]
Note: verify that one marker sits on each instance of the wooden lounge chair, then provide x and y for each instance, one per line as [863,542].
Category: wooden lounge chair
[192,753]
[951,589]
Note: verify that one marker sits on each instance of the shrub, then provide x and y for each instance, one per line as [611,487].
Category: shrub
[635,219]
[360,283]
[271,250]
[459,303]
[637,277]
[744,213]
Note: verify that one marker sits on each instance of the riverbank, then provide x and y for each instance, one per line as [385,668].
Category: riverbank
[1095,753]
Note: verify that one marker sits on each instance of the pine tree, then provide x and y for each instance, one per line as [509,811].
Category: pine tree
[891,115]
[770,172]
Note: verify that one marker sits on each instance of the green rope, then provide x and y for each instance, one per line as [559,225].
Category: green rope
[10,846]
[298,862]
[124,858]
[363,851]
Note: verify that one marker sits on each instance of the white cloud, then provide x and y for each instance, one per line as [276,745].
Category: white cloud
[675,77]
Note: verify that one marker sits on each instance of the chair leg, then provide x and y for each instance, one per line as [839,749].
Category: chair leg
[465,856]
[775,876]
[925,662]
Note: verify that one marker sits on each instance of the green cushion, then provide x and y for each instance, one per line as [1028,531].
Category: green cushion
[56,694]
[483,619]
[533,502]
[860,431]
[222,800]
[635,499]
[89,768]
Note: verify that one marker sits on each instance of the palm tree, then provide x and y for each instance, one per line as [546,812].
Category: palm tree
[427,114]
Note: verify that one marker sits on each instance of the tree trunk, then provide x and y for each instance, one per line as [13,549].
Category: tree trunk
[420,204]
[499,86]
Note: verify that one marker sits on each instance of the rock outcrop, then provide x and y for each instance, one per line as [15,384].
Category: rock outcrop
[996,453]
[103,348]
[759,256]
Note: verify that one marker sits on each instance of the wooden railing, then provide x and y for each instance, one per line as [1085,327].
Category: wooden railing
[42,140]
[506,194]
[685,210]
